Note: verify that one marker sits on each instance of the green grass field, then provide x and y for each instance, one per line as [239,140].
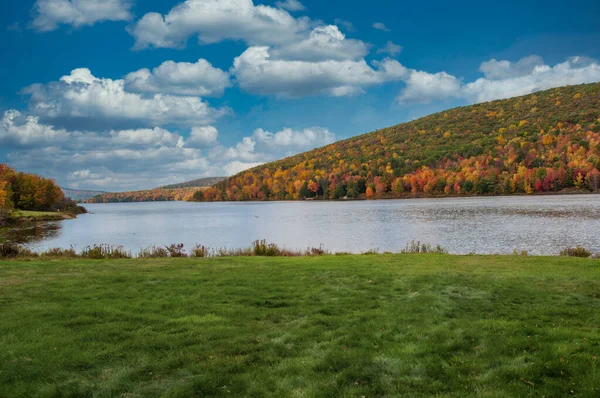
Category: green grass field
[333,326]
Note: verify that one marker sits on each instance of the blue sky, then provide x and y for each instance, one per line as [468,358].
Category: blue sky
[243,82]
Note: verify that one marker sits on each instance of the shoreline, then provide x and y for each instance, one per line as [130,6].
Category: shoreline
[359,199]
[258,249]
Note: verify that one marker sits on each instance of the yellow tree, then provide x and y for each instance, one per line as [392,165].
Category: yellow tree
[4,196]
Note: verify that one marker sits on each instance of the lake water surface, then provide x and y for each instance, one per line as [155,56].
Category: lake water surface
[538,224]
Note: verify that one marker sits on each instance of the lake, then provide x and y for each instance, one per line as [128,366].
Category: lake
[538,224]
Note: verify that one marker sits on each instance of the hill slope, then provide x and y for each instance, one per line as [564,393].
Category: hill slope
[199,183]
[181,191]
[151,195]
[545,142]
[80,194]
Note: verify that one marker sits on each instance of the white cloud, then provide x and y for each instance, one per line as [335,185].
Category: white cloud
[264,146]
[123,159]
[422,87]
[390,48]
[290,5]
[257,73]
[323,43]
[498,70]
[203,136]
[298,141]
[380,26]
[19,130]
[25,131]
[236,167]
[179,78]
[216,20]
[81,100]
[575,70]
[141,158]
[156,137]
[49,14]
[503,79]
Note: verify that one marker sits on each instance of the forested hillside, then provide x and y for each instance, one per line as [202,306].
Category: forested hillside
[152,195]
[181,191]
[199,183]
[543,142]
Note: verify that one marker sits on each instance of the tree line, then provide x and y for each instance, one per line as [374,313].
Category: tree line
[25,191]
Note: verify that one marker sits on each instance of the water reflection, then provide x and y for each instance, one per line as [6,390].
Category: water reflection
[541,225]
[33,233]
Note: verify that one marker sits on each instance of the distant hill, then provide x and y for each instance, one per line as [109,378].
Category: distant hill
[199,183]
[80,194]
[151,195]
[182,191]
[544,142]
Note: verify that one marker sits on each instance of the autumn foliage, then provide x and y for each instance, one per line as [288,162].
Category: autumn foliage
[152,195]
[543,142]
[25,191]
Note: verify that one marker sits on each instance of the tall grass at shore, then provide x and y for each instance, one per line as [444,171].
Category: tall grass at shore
[259,248]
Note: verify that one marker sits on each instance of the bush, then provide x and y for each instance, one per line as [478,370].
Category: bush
[576,252]
[262,248]
[58,252]
[419,248]
[224,252]
[153,252]
[104,251]
[371,252]
[176,250]
[316,251]
[200,251]
[12,250]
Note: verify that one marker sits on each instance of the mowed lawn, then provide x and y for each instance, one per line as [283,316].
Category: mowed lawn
[334,326]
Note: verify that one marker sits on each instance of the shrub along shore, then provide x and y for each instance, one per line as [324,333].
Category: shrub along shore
[257,249]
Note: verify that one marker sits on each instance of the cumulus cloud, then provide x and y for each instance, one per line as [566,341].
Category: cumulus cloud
[503,79]
[258,73]
[179,78]
[26,131]
[323,43]
[81,100]
[18,130]
[264,146]
[498,70]
[49,14]
[575,70]
[111,160]
[216,20]
[422,87]
[236,167]
[290,5]
[203,136]
[287,138]
[380,26]
[390,48]
[141,158]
